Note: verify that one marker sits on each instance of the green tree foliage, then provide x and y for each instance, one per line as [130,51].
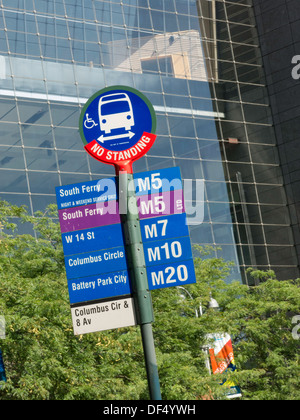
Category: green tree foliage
[44,360]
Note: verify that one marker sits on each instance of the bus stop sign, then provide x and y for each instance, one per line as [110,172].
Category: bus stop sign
[117,126]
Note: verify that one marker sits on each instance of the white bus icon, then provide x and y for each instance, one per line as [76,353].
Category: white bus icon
[115,111]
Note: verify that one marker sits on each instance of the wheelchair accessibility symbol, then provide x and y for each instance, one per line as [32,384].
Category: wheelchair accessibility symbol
[89,122]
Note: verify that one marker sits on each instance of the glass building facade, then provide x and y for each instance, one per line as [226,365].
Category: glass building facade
[199,63]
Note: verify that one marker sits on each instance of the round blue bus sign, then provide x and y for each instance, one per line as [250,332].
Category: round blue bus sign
[117,125]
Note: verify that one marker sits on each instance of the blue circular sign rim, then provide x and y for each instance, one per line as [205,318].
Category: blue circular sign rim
[149,120]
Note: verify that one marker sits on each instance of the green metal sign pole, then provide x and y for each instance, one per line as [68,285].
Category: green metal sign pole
[142,117]
[137,268]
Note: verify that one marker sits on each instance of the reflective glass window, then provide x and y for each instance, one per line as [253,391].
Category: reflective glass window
[41,159]
[43,182]
[11,157]
[198,63]
[10,134]
[13,181]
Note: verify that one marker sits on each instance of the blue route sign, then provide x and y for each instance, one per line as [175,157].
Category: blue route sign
[98,191]
[2,369]
[167,251]
[88,240]
[171,275]
[99,287]
[166,240]
[162,180]
[95,254]
[164,227]
[84,193]
[93,263]
[169,262]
